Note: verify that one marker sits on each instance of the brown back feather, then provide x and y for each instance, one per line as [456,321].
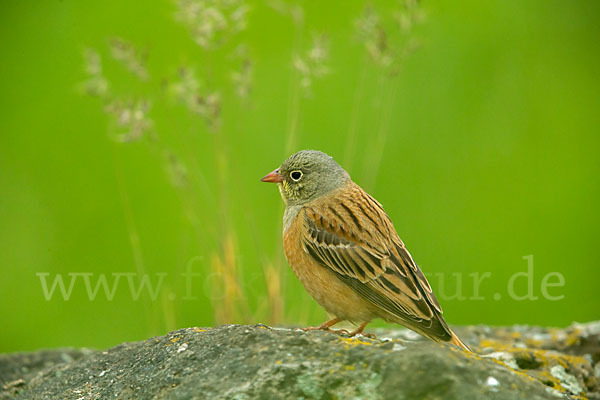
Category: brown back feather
[353,236]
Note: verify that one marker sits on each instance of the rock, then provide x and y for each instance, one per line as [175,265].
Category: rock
[248,362]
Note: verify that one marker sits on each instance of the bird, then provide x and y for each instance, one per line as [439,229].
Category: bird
[344,249]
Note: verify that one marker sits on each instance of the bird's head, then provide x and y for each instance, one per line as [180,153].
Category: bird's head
[306,176]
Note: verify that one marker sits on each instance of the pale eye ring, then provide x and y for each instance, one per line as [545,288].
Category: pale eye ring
[296,175]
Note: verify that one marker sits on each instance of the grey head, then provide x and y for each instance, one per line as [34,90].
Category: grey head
[306,176]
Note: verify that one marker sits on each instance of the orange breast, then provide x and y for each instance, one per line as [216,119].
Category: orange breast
[320,282]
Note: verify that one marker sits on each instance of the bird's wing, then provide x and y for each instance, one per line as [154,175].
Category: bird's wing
[351,234]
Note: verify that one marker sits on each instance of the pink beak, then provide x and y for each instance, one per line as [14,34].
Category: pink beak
[273,177]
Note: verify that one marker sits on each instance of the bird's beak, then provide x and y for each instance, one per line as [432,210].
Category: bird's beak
[274,177]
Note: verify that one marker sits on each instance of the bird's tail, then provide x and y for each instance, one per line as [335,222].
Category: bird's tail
[439,332]
[459,343]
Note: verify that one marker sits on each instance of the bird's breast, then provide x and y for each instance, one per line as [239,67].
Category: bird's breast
[320,282]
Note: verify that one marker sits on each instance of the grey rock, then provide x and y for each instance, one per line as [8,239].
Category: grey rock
[259,362]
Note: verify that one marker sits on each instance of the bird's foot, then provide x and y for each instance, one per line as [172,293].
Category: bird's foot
[369,335]
[360,329]
[312,328]
[339,331]
[326,326]
[326,329]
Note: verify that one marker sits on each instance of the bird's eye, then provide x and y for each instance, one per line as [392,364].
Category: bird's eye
[296,175]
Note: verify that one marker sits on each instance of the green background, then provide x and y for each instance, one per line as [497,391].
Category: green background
[483,149]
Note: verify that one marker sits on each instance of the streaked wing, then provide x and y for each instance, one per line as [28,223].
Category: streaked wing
[353,236]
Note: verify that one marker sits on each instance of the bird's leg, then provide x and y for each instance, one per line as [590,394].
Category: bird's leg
[326,325]
[360,329]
